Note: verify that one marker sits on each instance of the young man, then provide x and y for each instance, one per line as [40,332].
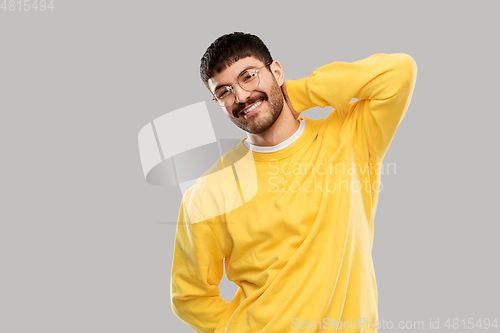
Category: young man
[289,211]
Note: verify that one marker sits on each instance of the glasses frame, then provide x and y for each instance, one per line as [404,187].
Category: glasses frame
[215,99]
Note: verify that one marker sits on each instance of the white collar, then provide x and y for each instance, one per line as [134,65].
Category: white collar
[279,146]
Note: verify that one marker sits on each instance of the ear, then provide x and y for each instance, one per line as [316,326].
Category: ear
[277,71]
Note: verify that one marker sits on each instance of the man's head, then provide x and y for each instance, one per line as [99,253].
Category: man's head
[228,63]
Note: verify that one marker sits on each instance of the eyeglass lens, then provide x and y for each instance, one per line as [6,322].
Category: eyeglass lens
[248,80]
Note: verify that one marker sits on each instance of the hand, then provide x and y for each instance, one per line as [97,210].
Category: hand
[285,94]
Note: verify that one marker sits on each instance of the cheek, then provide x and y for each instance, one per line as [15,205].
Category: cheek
[228,111]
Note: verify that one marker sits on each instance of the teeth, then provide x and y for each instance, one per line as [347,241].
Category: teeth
[250,109]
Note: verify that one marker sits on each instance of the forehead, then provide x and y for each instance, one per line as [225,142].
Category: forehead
[230,74]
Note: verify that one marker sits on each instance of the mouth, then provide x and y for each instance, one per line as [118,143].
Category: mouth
[251,109]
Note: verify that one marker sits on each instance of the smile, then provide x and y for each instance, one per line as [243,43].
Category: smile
[250,109]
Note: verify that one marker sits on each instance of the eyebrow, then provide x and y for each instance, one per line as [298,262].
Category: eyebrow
[225,85]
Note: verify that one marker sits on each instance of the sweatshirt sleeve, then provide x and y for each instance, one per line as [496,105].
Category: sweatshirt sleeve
[197,270]
[383,85]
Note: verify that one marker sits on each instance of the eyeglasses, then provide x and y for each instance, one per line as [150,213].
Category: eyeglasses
[248,80]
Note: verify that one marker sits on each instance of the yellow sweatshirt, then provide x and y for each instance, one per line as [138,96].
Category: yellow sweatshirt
[294,228]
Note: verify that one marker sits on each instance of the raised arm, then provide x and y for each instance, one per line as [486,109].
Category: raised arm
[197,270]
[383,85]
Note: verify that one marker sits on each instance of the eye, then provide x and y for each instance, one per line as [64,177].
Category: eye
[222,92]
[248,76]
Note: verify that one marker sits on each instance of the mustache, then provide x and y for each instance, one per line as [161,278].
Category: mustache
[250,101]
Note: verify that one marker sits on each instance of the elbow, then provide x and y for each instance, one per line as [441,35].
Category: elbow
[403,75]
[406,68]
[179,309]
[177,303]
[174,305]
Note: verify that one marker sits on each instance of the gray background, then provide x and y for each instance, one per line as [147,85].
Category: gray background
[85,243]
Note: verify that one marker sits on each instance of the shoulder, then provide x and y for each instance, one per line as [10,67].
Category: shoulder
[216,191]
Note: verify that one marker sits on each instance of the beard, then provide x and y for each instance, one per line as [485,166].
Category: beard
[264,119]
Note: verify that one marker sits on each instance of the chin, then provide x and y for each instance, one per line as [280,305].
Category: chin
[261,128]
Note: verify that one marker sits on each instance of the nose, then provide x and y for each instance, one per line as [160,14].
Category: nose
[241,94]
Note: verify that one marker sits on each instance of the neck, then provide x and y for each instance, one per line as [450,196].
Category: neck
[282,129]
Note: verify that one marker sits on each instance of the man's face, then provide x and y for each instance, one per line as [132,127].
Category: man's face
[267,97]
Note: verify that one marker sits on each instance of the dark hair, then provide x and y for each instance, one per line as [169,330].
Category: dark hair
[228,49]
